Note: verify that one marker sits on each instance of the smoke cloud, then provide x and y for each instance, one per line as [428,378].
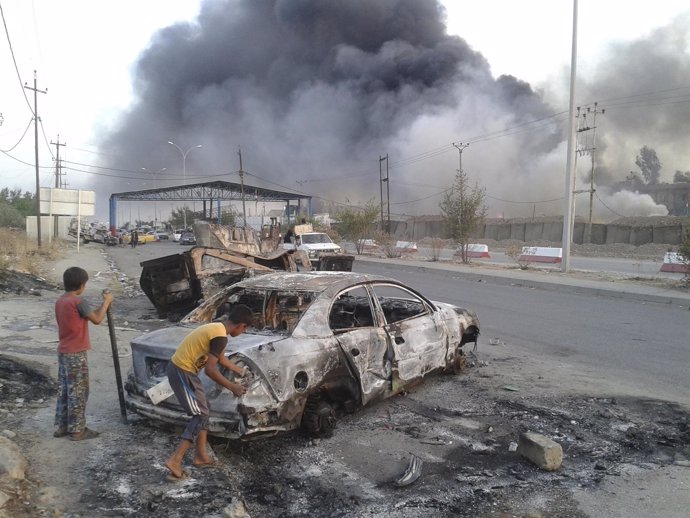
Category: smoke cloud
[314,92]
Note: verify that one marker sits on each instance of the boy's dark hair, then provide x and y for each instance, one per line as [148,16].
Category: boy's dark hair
[74,277]
[240,314]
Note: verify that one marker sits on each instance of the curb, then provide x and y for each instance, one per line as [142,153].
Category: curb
[592,287]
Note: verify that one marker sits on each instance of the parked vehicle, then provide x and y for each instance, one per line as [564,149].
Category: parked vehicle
[323,253]
[148,237]
[322,343]
[188,238]
[162,234]
[177,233]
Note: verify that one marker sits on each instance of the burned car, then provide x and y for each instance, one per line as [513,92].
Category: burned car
[322,343]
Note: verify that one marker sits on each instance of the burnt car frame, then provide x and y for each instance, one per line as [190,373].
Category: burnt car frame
[322,343]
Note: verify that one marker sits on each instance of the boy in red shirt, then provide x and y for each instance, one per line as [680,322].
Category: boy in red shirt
[73,315]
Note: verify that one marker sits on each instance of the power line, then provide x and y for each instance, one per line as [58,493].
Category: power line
[14,60]
[26,130]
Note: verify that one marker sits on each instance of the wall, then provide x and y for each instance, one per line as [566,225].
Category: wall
[657,231]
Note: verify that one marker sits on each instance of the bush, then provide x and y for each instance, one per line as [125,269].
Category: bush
[10,217]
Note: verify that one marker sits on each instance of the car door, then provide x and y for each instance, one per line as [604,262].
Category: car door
[415,331]
[359,332]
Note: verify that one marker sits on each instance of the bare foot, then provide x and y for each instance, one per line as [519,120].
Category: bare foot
[174,467]
[203,461]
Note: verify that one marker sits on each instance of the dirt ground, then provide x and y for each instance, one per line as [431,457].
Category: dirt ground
[460,426]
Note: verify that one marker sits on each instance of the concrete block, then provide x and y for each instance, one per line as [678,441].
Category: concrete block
[541,451]
[12,462]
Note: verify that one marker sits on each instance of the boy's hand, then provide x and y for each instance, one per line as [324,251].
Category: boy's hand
[238,390]
[243,372]
[107,297]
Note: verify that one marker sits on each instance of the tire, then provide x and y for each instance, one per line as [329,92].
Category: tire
[318,419]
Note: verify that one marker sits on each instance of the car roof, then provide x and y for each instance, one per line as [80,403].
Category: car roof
[310,281]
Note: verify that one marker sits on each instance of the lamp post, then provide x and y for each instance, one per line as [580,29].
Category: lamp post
[184,171]
[154,186]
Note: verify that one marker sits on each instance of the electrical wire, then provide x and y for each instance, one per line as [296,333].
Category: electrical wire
[14,60]
[6,151]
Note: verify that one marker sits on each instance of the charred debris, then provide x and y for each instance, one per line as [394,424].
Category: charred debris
[175,284]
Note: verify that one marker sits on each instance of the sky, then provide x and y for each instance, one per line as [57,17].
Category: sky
[88,56]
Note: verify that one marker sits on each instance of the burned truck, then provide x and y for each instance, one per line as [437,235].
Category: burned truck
[175,284]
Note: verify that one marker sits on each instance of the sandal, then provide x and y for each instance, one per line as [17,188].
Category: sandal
[60,432]
[84,435]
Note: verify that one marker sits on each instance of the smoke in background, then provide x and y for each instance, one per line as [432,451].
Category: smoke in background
[314,92]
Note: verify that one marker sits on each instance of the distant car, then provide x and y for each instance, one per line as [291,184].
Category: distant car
[188,238]
[148,237]
[177,233]
[322,343]
[163,235]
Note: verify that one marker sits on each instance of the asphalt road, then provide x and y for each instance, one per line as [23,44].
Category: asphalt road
[643,347]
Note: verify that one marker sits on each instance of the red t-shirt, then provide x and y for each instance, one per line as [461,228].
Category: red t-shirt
[73,326]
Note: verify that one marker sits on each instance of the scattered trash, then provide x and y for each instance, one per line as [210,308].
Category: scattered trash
[412,473]
[496,341]
[510,388]
[435,442]
[490,429]
[512,446]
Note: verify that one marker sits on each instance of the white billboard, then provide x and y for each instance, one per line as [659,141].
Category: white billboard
[67,202]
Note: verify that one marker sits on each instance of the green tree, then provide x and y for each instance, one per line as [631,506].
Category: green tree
[10,217]
[23,202]
[228,218]
[177,217]
[358,223]
[649,165]
[681,177]
[464,211]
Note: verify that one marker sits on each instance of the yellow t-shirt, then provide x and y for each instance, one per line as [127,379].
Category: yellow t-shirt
[192,353]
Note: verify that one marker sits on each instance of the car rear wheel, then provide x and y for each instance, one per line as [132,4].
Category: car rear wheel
[318,418]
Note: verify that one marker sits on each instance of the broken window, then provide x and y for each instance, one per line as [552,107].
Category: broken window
[351,309]
[397,303]
[273,310]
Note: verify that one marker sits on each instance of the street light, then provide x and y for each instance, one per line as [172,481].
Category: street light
[184,171]
[154,186]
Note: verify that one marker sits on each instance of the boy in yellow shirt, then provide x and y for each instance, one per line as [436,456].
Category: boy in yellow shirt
[203,348]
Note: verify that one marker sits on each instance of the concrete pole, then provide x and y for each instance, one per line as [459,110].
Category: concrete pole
[568,205]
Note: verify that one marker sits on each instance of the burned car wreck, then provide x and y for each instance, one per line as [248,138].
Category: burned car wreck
[322,343]
[176,283]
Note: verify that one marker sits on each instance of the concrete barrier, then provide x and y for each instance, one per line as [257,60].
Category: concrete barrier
[475,251]
[673,262]
[541,254]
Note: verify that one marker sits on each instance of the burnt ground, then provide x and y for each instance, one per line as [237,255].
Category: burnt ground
[469,470]
[19,283]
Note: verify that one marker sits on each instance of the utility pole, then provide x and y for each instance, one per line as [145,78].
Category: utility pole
[58,163]
[589,147]
[388,205]
[244,209]
[460,148]
[58,175]
[570,159]
[38,178]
